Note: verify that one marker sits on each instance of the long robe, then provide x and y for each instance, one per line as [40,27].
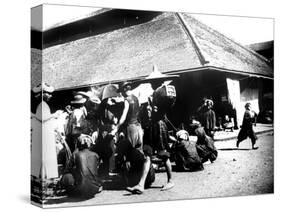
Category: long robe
[43,147]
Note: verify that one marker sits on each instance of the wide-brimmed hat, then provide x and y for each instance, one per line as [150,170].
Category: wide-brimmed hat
[43,87]
[78,99]
[182,134]
[157,76]
[109,91]
[89,95]
[131,85]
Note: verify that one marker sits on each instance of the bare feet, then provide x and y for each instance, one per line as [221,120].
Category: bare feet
[168,186]
[237,144]
[136,189]
[254,147]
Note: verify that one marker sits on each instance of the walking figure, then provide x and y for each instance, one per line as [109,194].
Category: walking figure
[247,127]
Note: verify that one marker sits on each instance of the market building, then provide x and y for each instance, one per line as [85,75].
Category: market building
[113,45]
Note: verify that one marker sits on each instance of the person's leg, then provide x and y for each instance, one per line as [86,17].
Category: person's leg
[106,149]
[168,167]
[137,157]
[241,136]
[139,188]
[253,138]
[169,170]
[145,171]
[112,148]
[68,182]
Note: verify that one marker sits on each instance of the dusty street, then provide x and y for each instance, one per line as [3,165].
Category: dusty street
[236,172]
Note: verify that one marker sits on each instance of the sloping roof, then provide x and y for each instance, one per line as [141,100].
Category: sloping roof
[223,52]
[131,52]
[121,54]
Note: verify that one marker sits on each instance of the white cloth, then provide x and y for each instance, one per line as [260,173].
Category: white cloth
[43,150]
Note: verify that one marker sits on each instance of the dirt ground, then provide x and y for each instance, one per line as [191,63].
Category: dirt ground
[235,172]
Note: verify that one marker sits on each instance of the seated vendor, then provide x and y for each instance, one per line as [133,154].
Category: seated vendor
[80,178]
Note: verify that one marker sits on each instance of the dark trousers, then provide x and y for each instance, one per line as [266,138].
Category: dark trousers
[106,150]
[246,132]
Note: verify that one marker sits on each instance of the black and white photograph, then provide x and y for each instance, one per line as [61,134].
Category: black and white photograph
[132,106]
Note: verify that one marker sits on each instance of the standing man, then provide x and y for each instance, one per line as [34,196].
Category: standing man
[207,117]
[134,134]
[159,130]
[111,109]
[247,127]
[161,100]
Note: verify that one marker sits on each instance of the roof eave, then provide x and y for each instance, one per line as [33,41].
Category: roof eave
[214,68]
[182,71]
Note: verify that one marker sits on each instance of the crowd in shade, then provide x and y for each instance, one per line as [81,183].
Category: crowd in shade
[110,134]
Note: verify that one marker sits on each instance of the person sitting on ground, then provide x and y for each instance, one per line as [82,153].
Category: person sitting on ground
[186,156]
[247,127]
[205,144]
[80,178]
[228,123]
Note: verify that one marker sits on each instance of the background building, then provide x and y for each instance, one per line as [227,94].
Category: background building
[112,45]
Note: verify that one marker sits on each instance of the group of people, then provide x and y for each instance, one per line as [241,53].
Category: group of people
[207,118]
[114,134]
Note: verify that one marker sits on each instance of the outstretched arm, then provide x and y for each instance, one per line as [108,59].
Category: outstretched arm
[124,114]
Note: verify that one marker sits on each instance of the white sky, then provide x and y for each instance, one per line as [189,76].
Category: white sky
[242,29]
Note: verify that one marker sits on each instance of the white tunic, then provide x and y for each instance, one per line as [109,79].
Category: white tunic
[43,150]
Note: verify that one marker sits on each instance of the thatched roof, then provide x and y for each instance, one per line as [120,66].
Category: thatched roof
[170,43]
[223,52]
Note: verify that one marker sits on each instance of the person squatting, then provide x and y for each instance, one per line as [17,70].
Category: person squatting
[112,136]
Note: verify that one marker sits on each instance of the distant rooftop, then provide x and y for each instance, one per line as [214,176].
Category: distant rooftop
[261,46]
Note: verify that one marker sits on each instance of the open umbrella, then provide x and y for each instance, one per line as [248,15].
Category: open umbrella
[157,76]
[143,91]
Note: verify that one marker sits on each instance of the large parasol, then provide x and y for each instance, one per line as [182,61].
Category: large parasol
[157,76]
[144,89]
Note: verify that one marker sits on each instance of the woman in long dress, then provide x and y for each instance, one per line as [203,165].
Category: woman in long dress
[43,149]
